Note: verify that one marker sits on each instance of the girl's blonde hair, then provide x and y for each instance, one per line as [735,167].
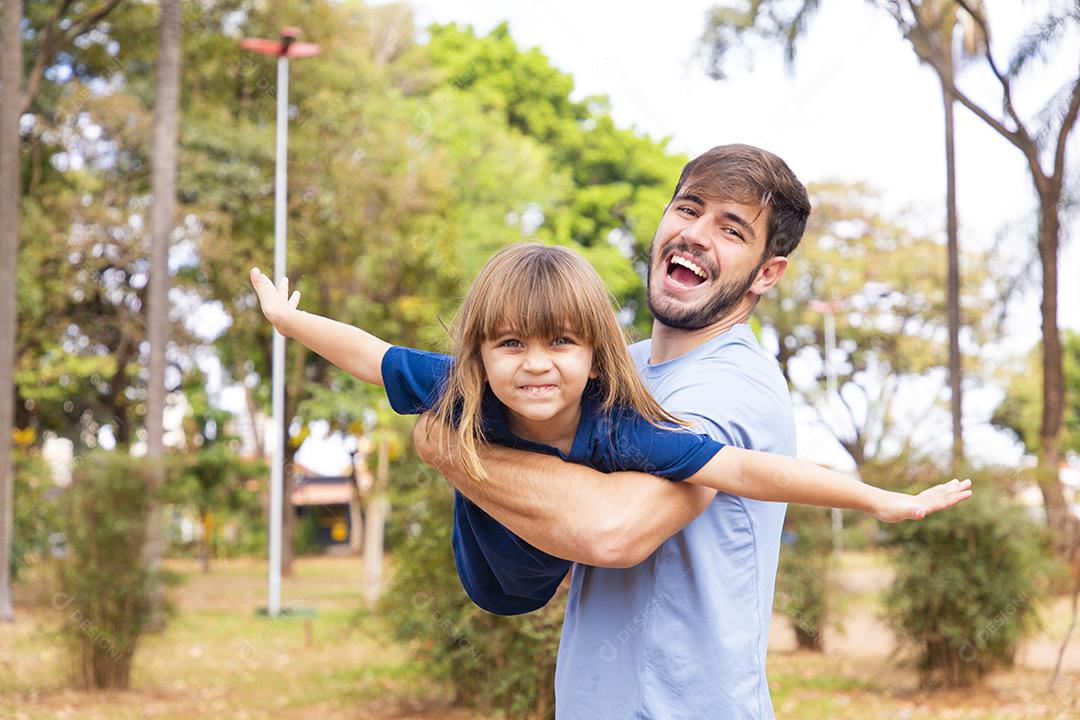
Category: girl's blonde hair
[531,290]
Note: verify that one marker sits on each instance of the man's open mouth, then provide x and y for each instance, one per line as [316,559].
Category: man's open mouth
[685,271]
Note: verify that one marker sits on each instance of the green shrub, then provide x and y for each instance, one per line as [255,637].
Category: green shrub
[967,583]
[501,664]
[802,581]
[35,510]
[105,588]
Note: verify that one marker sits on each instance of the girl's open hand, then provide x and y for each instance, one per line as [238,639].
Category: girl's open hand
[896,507]
[275,301]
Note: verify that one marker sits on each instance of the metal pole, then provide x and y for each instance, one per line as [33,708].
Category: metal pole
[273,604]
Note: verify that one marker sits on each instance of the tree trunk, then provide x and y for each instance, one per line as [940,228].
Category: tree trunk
[163,187]
[808,640]
[207,539]
[288,519]
[293,387]
[1059,517]
[10,186]
[953,286]
[377,508]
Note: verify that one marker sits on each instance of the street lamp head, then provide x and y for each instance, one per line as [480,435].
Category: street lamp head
[285,47]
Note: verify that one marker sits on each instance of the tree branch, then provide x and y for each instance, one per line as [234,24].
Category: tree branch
[1003,79]
[1067,125]
[45,51]
[55,39]
[1019,137]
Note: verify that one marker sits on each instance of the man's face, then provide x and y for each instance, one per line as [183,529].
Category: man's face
[704,259]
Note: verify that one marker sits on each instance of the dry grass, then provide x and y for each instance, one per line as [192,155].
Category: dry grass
[218,659]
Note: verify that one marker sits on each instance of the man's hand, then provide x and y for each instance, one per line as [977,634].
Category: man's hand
[896,507]
[275,302]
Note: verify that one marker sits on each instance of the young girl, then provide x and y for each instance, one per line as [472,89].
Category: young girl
[540,363]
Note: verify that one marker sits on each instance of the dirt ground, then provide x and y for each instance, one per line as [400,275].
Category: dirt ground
[218,659]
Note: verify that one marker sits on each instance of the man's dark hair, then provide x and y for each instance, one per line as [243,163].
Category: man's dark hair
[752,176]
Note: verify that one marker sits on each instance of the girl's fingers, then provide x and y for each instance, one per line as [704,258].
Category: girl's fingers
[294,301]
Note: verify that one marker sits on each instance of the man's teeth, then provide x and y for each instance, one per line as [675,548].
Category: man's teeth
[689,265]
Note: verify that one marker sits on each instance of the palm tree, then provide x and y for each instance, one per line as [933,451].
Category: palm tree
[10,185]
[932,36]
[163,186]
[930,25]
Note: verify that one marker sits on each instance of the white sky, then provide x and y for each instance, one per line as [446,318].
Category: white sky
[858,106]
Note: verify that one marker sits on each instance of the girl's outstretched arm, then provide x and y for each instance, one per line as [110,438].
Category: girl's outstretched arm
[763,476]
[356,352]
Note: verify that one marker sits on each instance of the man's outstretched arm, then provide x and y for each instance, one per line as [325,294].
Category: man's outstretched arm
[570,510]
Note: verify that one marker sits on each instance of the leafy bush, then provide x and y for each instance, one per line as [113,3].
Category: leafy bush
[105,588]
[503,664]
[966,584]
[802,581]
[35,510]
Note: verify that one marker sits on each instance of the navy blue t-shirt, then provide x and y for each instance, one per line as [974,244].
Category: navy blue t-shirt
[501,572]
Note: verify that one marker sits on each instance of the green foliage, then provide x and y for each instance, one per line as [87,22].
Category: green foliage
[105,588]
[409,165]
[892,315]
[615,182]
[967,582]
[35,510]
[802,583]
[1020,411]
[493,663]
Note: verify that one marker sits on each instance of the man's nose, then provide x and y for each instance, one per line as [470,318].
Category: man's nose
[697,232]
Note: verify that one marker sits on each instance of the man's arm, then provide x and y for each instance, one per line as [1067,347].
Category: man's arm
[570,510]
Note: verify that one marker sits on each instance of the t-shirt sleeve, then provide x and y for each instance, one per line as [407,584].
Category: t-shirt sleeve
[672,452]
[414,378]
[751,413]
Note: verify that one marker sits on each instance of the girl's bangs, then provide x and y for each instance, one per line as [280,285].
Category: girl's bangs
[545,304]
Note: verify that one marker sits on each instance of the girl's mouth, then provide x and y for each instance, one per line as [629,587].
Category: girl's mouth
[537,390]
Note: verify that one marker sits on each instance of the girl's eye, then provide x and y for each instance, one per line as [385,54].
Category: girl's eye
[510,343]
[563,341]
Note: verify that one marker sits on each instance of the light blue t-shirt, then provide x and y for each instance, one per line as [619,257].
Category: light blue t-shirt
[683,635]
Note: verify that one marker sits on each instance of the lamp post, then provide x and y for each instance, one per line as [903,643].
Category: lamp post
[284,48]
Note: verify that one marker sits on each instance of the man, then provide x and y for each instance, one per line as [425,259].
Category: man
[670,601]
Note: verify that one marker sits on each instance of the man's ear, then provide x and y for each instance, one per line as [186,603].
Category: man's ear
[769,274]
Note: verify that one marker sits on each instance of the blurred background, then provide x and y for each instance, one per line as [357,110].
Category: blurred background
[929,327]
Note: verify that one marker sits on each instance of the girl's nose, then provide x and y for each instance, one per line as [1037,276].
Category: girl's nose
[537,360]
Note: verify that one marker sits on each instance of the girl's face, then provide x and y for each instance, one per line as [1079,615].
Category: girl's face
[541,381]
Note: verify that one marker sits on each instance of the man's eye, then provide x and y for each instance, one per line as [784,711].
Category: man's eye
[733,231]
[688,210]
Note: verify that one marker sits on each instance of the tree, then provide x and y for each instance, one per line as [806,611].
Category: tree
[1019,410]
[615,178]
[163,188]
[1041,140]
[940,17]
[10,186]
[894,315]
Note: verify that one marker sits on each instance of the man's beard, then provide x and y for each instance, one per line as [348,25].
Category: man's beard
[726,299]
